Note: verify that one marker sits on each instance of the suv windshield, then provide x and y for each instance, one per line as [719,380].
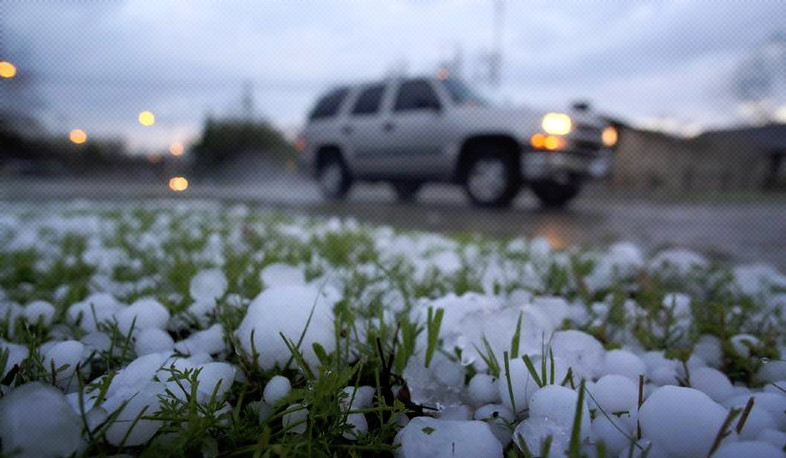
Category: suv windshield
[461,94]
[329,104]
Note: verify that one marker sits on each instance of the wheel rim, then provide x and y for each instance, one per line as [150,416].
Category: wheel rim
[487,179]
[331,178]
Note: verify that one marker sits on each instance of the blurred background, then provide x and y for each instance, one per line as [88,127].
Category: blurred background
[134,100]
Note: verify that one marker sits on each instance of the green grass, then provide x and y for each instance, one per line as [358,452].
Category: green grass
[163,249]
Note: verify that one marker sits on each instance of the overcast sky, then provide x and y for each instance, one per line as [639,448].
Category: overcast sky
[97,64]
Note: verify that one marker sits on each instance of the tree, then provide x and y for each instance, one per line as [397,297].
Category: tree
[222,140]
[759,76]
[20,105]
[21,100]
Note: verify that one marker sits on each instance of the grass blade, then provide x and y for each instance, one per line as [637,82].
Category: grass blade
[724,430]
[552,375]
[630,438]
[490,358]
[510,383]
[532,372]
[545,446]
[297,356]
[514,344]
[745,412]
[434,322]
[574,449]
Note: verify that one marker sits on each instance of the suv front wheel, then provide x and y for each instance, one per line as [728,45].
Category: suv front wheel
[334,179]
[491,178]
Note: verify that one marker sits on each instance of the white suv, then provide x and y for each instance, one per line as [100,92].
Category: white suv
[409,131]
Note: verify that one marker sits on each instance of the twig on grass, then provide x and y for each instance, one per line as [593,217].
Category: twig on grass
[724,430]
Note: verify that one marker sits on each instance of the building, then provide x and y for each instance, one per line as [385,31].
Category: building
[749,158]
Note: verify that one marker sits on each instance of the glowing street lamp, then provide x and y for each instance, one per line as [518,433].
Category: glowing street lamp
[7,70]
[610,136]
[77,136]
[147,118]
[178,184]
[176,149]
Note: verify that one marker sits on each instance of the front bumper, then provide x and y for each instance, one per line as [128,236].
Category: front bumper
[561,165]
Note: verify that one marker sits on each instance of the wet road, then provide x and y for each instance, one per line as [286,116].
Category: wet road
[726,232]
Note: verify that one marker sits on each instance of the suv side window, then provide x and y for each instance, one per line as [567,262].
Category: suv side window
[329,104]
[369,100]
[416,95]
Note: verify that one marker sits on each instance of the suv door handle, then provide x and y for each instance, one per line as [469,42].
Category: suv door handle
[388,126]
[346,130]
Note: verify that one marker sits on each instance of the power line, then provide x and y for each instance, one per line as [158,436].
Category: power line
[495,58]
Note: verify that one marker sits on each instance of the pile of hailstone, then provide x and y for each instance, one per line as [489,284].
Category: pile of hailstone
[123,326]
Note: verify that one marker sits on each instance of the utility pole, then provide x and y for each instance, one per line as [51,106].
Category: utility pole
[247,102]
[457,63]
[454,66]
[495,57]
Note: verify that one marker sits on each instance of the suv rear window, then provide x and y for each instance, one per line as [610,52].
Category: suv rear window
[329,104]
[416,95]
[369,100]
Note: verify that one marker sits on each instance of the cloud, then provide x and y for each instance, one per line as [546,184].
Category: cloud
[98,64]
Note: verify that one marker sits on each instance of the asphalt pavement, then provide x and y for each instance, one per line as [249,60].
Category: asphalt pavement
[728,232]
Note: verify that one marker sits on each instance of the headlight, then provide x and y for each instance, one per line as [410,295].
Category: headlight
[556,123]
[609,136]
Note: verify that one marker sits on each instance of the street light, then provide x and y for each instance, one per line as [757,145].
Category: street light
[176,149]
[147,118]
[178,184]
[77,136]
[7,70]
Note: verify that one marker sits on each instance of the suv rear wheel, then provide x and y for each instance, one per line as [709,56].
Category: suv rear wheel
[334,179]
[553,194]
[491,178]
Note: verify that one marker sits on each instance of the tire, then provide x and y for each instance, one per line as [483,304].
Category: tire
[555,195]
[491,178]
[406,191]
[334,178]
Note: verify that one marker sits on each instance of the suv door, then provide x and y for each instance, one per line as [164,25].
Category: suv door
[415,131]
[362,128]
